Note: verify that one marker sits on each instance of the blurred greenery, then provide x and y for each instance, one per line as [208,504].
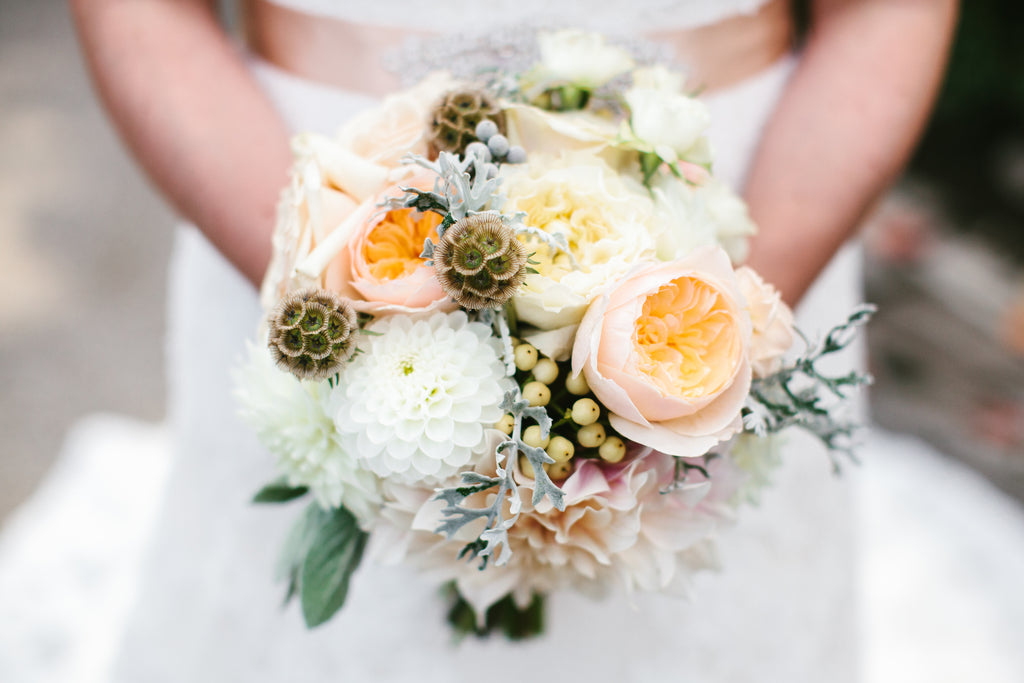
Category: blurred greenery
[972,152]
[973,149]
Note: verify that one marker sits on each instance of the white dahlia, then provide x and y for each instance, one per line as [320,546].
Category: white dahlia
[420,397]
[294,421]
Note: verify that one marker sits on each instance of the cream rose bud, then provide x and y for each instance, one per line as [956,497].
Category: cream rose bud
[657,77]
[664,119]
[666,351]
[581,58]
[772,322]
[399,125]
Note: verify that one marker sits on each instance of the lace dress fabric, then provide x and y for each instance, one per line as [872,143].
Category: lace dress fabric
[208,609]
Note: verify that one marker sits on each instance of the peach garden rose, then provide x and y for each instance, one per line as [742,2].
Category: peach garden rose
[379,266]
[666,351]
[772,322]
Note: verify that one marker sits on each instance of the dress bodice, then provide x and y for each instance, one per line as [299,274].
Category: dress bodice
[609,16]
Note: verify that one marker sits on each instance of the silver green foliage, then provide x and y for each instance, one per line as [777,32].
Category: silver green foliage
[495,534]
[801,395]
[458,194]
[456,515]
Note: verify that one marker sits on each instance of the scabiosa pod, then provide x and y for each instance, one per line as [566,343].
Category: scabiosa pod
[311,333]
[479,261]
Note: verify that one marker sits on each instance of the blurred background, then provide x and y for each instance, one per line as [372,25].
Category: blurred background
[84,245]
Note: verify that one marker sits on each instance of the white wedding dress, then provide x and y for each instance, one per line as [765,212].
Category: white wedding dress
[784,607]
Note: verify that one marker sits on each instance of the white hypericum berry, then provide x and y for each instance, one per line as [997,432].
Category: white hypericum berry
[525,467]
[577,385]
[613,450]
[585,412]
[559,470]
[533,436]
[591,436]
[506,424]
[546,371]
[561,449]
[537,393]
[486,129]
[526,357]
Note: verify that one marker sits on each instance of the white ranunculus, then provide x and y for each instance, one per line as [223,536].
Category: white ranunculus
[733,225]
[692,216]
[668,120]
[581,58]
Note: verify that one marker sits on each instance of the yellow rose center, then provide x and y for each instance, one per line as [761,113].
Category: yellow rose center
[687,339]
[392,249]
[559,209]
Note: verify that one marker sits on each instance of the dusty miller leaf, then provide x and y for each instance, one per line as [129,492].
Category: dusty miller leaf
[801,395]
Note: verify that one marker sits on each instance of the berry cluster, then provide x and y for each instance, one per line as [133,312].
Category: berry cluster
[491,145]
[581,430]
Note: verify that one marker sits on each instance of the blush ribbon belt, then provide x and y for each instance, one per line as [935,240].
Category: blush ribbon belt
[349,55]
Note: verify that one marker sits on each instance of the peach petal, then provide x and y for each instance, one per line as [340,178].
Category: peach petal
[418,290]
[588,480]
[652,404]
[614,397]
[660,437]
[588,334]
[719,415]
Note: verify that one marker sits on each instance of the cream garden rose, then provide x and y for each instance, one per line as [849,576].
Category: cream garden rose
[666,351]
[379,266]
[399,125]
[605,220]
[772,322]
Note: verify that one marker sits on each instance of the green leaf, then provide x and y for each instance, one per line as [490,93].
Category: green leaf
[504,616]
[298,542]
[335,553]
[279,491]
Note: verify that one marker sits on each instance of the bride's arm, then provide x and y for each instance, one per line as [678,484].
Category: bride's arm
[843,129]
[187,107]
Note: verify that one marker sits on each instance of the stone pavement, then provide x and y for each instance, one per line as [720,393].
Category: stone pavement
[83,253]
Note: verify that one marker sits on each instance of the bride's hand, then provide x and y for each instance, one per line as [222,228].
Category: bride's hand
[843,129]
[183,101]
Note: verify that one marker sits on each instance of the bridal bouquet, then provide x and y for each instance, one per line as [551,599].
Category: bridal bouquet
[507,342]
